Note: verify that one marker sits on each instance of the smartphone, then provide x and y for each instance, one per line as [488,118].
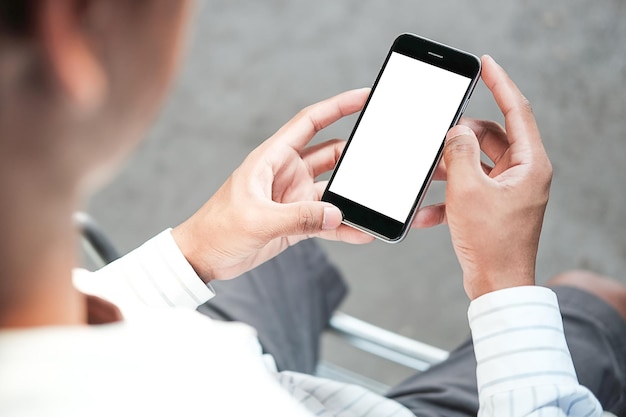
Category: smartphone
[382,176]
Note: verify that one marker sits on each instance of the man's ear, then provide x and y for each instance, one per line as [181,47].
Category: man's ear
[70,52]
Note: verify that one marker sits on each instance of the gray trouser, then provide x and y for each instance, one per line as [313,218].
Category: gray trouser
[290,299]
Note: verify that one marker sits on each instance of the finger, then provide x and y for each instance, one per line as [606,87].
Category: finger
[462,155]
[440,173]
[430,216]
[343,233]
[486,168]
[303,218]
[299,130]
[319,188]
[491,137]
[518,115]
[347,234]
[323,157]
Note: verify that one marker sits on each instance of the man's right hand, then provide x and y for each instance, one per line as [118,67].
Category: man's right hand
[494,213]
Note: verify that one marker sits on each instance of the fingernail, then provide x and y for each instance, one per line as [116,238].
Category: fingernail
[490,59]
[332,218]
[363,90]
[457,131]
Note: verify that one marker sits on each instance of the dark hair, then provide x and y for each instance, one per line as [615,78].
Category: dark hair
[16,17]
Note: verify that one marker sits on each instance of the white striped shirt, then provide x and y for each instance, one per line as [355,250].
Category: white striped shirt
[524,365]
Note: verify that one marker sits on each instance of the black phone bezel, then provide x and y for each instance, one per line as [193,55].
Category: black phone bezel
[433,53]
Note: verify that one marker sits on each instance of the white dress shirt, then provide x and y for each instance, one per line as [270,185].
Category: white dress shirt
[166,359]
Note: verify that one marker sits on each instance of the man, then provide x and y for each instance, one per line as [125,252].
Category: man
[80,81]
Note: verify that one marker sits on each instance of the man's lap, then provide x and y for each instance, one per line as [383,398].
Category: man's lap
[290,299]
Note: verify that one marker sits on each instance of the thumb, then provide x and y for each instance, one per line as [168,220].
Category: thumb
[462,153]
[308,217]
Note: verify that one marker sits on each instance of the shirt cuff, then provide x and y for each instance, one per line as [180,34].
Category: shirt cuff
[519,341]
[172,272]
[156,274]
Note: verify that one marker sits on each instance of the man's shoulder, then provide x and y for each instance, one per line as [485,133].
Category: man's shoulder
[166,361]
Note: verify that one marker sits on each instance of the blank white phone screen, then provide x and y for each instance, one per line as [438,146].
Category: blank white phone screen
[399,135]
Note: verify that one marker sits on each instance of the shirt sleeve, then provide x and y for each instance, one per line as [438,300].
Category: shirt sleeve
[524,367]
[154,275]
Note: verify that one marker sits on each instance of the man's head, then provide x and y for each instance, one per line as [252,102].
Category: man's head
[80,81]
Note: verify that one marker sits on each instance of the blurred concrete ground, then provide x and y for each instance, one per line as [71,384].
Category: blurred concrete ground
[252,65]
